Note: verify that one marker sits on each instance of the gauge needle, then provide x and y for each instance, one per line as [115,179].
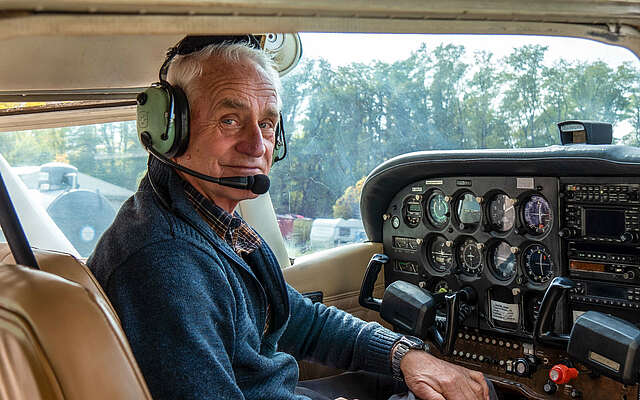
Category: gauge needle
[540,266]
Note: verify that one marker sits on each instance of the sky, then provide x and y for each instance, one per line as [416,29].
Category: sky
[344,48]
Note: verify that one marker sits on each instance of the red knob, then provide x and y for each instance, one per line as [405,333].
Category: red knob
[562,374]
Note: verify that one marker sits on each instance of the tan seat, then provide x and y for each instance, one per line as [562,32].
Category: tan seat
[59,335]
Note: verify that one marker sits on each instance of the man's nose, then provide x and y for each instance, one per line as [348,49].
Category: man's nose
[252,143]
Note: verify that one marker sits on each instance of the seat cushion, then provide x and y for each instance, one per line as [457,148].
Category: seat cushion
[66,266]
[59,335]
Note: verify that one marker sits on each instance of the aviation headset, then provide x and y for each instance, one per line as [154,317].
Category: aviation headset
[163,109]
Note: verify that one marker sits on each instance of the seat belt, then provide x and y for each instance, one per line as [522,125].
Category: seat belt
[13,231]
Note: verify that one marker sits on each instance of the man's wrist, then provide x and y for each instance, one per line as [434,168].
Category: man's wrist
[403,346]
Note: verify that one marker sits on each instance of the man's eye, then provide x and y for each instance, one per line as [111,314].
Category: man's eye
[228,121]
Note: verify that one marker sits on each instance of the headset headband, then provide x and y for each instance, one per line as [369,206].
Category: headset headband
[192,44]
[163,110]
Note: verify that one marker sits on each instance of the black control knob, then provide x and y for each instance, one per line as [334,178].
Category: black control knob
[630,274]
[568,233]
[575,394]
[523,367]
[550,387]
[629,237]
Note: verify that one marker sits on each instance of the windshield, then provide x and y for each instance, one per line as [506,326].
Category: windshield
[353,102]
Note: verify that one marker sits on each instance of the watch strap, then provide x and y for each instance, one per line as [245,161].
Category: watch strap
[400,349]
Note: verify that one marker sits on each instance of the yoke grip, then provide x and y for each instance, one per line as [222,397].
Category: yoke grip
[366,298]
[541,333]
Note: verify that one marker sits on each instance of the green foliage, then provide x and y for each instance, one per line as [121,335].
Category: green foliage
[343,121]
[348,205]
[107,151]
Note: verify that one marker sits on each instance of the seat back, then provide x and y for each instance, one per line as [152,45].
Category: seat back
[59,335]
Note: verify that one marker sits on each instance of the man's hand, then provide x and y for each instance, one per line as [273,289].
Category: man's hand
[430,378]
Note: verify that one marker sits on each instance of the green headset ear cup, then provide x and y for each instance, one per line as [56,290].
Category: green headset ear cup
[152,115]
[163,112]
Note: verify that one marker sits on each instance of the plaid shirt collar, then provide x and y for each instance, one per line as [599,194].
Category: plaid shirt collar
[232,228]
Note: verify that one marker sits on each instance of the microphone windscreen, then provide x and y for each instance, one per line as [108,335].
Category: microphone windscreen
[261,184]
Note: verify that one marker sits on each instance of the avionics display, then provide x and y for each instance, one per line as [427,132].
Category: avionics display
[608,213]
[603,222]
[608,291]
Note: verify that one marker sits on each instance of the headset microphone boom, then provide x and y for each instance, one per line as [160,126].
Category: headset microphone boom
[258,184]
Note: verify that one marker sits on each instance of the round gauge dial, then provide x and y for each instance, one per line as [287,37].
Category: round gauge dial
[538,264]
[438,209]
[502,261]
[468,211]
[441,287]
[537,214]
[470,257]
[440,254]
[502,214]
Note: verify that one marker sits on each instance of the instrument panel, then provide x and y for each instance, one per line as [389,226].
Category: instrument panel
[507,238]
[495,234]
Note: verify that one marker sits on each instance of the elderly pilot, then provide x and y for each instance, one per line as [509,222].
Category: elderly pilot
[201,296]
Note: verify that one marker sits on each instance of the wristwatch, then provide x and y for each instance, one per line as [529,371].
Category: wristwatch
[400,349]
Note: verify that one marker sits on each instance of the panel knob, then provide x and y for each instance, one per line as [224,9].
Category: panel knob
[550,387]
[561,374]
[523,367]
[629,237]
[567,233]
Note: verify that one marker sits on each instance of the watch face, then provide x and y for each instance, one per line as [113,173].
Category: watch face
[414,342]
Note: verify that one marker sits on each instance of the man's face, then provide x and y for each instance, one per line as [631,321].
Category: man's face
[233,116]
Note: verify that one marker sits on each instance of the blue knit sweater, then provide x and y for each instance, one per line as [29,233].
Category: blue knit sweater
[194,311]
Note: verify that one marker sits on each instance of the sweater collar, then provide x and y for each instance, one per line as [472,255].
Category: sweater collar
[162,179]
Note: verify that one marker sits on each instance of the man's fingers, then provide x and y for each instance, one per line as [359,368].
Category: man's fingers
[479,378]
[426,392]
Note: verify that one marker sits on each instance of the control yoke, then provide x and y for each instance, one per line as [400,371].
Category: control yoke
[412,309]
[607,344]
[543,335]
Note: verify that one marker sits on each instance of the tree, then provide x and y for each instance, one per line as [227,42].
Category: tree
[446,91]
[485,127]
[523,100]
[348,205]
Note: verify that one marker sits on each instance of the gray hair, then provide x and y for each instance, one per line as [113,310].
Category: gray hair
[185,69]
